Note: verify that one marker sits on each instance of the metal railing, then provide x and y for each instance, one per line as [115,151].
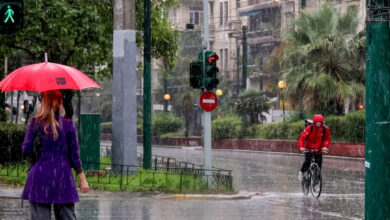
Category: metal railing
[166,174]
[133,178]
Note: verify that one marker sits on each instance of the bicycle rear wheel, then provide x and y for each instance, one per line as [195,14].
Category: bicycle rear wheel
[316,181]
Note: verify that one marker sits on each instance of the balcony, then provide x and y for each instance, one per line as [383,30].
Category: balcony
[264,36]
[234,26]
[255,5]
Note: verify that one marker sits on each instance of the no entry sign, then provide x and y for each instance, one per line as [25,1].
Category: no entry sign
[208,101]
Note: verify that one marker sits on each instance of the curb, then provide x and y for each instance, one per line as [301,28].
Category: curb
[240,196]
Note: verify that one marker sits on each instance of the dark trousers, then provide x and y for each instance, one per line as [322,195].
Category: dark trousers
[306,163]
[40,211]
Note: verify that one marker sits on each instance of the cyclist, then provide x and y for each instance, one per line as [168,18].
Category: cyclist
[314,137]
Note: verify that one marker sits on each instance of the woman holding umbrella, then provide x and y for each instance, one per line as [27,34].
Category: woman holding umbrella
[50,180]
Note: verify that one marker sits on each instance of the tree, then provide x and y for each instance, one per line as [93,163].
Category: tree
[323,60]
[79,33]
[252,103]
[186,109]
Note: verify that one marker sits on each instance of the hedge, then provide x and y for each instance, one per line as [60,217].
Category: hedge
[163,122]
[228,127]
[106,128]
[348,128]
[11,140]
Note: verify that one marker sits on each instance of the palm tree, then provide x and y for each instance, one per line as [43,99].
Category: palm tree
[324,59]
[252,103]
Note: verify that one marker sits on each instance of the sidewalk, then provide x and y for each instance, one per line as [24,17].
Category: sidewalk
[14,192]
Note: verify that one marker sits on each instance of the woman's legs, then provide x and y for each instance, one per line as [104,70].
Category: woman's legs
[64,211]
[40,211]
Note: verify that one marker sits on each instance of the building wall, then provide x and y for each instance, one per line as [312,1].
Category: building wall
[226,21]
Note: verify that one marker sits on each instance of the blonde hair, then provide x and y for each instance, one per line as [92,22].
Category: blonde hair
[51,103]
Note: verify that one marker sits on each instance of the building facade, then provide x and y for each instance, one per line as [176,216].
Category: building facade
[266,21]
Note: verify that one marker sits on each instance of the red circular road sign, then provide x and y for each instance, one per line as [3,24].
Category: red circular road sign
[208,101]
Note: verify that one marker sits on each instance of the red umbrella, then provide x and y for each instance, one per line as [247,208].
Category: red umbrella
[46,76]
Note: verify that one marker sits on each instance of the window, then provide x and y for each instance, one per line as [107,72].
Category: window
[221,58]
[221,13]
[226,60]
[211,12]
[195,17]
[226,12]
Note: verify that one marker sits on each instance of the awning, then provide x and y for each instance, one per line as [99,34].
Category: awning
[249,13]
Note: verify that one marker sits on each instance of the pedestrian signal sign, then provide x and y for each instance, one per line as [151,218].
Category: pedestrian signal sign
[11,14]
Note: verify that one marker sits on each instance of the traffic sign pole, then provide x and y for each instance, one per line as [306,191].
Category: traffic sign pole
[208,101]
[207,142]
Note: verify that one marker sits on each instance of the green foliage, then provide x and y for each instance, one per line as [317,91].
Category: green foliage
[349,128]
[277,130]
[322,60]
[11,138]
[164,37]
[228,127]
[76,33]
[252,103]
[337,127]
[3,115]
[143,181]
[172,135]
[355,126]
[164,122]
[106,127]
[79,33]
[294,130]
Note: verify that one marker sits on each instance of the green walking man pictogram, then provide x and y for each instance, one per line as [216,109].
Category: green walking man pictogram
[9,14]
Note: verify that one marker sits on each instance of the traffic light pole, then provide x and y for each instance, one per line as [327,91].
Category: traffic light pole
[206,115]
[377,164]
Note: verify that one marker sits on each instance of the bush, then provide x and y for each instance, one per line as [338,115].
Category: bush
[106,128]
[11,140]
[349,128]
[230,127]
[355,124]
[163,122]
[277,130]
[336,125]
[294,130]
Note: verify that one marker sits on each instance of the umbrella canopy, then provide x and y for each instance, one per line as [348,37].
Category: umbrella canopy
[46,76]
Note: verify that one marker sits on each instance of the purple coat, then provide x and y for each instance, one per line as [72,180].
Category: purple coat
[50,179]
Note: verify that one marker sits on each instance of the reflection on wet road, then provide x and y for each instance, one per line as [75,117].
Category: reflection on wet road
[274,176]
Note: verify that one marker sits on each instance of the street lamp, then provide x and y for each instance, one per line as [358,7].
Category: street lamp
[219,92]
[282,85]
[167,97]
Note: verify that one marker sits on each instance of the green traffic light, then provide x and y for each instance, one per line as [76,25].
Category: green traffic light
[9,13]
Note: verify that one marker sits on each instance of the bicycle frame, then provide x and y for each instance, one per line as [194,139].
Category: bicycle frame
[313,181]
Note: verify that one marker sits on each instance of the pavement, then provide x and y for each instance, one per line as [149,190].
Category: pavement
[14,192]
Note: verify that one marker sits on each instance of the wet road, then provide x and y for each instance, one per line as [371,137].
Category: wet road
[273,175]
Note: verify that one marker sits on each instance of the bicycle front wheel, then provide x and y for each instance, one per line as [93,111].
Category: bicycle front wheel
[315,181]
[306,185]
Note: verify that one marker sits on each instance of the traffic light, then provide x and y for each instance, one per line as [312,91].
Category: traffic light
[211,80]
[11,14]
[196,74]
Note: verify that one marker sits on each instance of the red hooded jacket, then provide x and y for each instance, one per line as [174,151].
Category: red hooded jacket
[313,140]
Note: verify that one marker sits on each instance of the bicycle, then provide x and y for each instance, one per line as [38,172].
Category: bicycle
[314,180]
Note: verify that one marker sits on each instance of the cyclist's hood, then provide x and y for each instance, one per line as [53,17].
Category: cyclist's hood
[318,118]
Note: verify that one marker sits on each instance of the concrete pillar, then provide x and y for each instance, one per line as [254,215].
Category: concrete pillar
[124,108]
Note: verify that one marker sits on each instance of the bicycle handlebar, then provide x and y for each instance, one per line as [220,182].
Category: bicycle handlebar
[313,151]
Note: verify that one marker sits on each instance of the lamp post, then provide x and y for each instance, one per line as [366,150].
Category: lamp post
[282,84]
[167,97]
[218,92]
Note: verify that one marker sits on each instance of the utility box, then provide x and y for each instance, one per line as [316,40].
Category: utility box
[90,141]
